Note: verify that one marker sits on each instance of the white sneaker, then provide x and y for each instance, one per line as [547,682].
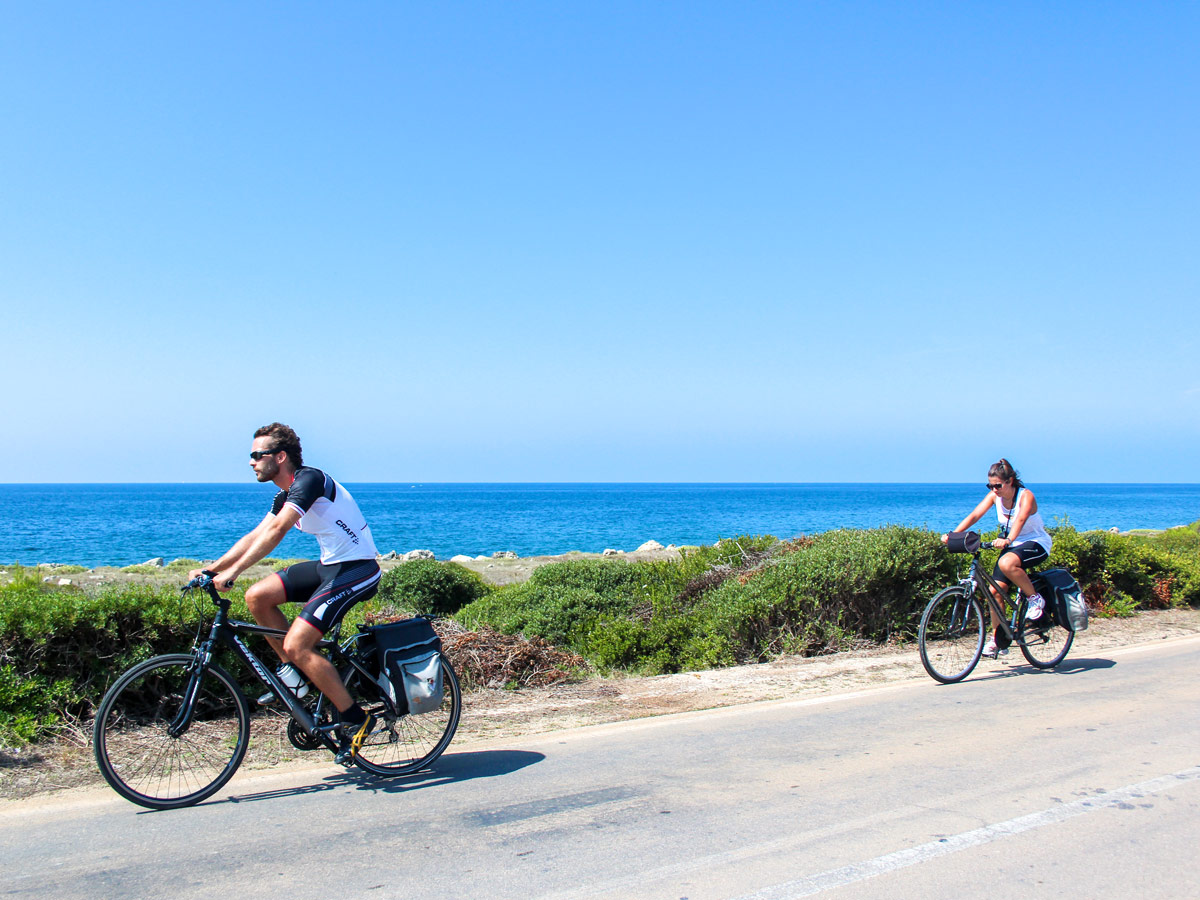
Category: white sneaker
[990,649]
[1036,607]
[291,678]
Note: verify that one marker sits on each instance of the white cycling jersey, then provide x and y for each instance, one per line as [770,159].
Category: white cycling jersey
[328,513]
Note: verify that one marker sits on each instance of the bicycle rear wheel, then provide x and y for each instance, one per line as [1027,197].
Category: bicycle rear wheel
[951,635]
[406,744]
[142,760]
[1044,643]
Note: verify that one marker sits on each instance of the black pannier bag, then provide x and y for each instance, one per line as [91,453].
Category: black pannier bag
[1065,600]
[410,664]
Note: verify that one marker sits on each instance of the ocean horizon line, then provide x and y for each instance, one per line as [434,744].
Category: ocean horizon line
[418,483]
[121,523]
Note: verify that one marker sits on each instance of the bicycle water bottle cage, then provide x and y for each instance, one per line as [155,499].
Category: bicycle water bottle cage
[963,542]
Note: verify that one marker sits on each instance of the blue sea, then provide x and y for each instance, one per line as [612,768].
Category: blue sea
[121,524]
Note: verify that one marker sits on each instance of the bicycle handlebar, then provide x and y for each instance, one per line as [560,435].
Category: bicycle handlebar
[967,542]
[963,542]
[204,582]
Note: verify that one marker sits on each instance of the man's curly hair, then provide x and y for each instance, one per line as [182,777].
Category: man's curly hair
[284,439]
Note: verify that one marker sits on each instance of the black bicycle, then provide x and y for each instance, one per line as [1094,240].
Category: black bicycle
[172,730]
[953,626]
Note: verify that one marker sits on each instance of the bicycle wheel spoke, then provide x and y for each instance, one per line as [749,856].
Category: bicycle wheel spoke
[142,761]
[1046,646]
[408,743]
[951,635]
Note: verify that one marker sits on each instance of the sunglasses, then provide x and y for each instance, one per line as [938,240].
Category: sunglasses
[994,487]
[256,455]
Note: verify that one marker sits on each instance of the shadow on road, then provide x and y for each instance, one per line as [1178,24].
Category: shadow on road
[1067,667]
[449,768]
[1074,666]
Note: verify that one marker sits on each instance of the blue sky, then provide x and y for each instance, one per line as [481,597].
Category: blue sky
[601,242]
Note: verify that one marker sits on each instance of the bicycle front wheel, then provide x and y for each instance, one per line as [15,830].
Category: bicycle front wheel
[951,635]
[137,752]
[1044,643]
[406,744]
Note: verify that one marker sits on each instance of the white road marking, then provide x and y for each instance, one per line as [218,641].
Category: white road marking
[880,865]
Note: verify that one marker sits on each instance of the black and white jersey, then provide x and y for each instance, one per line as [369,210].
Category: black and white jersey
[328,513]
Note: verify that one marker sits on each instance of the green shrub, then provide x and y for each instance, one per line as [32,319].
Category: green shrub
[596,608]
[732,603]
[839,586]
[1131,571]
[60,648]
[430,587]
[745,599]
[562,613]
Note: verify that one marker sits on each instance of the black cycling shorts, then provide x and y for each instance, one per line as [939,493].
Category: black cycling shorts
[1030,553]
[328,591]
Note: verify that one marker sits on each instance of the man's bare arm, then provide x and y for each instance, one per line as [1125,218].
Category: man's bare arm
[254,546]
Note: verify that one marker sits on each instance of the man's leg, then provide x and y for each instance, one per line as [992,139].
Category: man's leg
[299,647]
[264,598]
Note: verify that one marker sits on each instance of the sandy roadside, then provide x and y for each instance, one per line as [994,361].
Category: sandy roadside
[67,768]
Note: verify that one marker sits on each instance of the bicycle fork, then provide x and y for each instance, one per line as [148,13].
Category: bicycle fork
[183,719]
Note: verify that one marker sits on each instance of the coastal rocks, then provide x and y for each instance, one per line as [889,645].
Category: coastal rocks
[612,552]
[419,554]
[461,558]
[650,545]
[504,554]
[391,554]
[158,562]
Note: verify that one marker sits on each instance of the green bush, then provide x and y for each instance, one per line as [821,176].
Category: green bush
[563,602]
[732,603]
[837,587]
[745,599]
[1121,573]
[60,648]
[430,587]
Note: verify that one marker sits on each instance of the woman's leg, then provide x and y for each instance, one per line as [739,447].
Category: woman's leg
[1014,573]
[1000,599]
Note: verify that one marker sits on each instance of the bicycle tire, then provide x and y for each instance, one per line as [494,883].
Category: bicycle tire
[406,744]
[951,635]
[138,757]
[1044,644]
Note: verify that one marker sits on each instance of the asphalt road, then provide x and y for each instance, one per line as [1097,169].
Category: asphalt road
[1078,783]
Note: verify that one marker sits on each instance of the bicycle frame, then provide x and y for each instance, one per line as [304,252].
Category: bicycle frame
[977,574]
[226,631]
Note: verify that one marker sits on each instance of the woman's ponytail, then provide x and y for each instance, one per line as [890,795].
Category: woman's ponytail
[1004,470]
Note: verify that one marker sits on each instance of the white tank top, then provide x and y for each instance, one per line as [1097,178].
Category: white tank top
[1034,528]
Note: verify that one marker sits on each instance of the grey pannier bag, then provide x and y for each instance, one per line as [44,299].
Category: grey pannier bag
[410,665]
[1061,591]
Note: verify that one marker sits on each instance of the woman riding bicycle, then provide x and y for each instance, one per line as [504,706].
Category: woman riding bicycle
[1023,540]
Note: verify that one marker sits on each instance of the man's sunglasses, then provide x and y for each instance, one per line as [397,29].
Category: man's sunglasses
[256,455]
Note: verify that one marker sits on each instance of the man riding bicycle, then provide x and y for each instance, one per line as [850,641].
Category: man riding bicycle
[346,574]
